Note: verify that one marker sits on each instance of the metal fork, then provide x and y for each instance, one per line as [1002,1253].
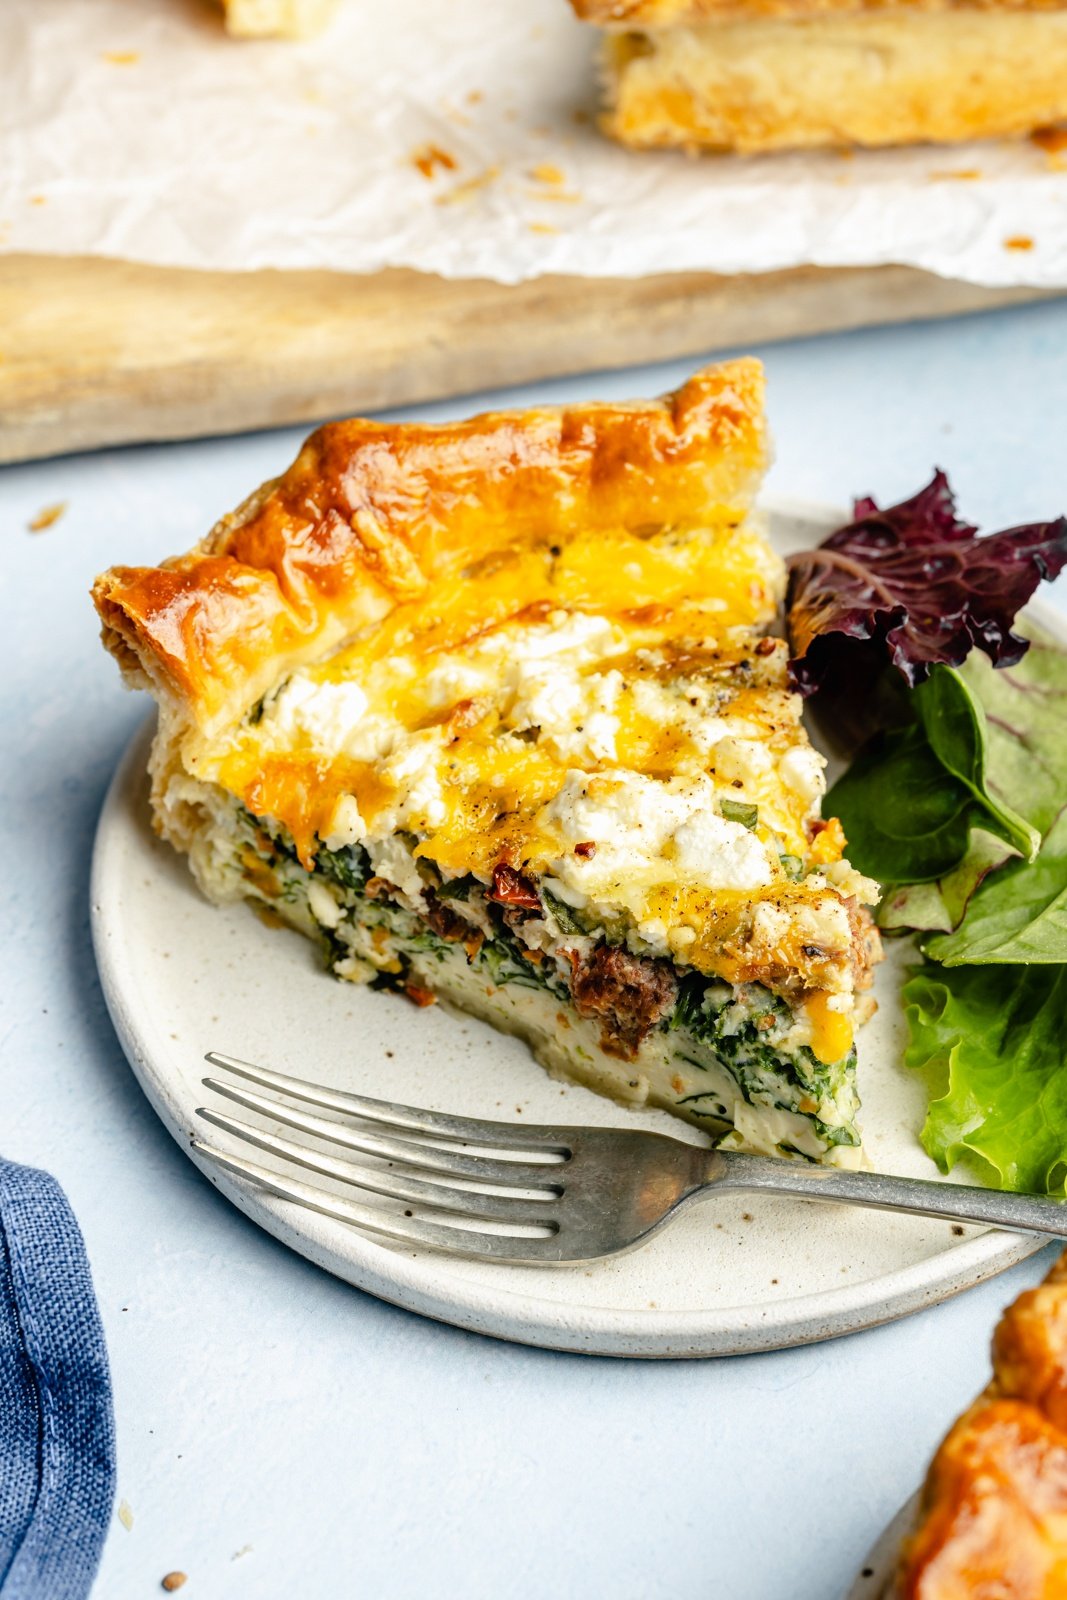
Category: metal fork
[512,1192]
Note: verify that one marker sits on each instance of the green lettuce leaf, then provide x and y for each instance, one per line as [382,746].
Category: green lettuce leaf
[992,1041]
[1019,914]
[910,800]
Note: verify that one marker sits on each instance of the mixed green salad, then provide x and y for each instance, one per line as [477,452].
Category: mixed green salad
[903,627]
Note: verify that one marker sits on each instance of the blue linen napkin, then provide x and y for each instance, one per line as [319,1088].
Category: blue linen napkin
[57,1434]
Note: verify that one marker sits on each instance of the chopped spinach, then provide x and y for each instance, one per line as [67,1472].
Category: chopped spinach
[504,964]
[455,888]
[744,1031]
[562,912]
[740,811]
[349,866]
[689,1007]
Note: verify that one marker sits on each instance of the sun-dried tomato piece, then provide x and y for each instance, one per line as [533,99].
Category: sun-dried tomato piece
[513,888]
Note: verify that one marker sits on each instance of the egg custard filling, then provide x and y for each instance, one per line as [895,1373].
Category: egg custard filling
[553,775]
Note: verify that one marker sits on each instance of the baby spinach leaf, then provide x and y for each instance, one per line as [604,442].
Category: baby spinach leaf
[910,799]
[1019,915]
[940,905]
[1026,760]
[1026,716]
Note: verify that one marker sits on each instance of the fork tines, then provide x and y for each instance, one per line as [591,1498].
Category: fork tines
[489,1187]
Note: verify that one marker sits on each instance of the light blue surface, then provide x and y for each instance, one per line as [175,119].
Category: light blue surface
[356,1449]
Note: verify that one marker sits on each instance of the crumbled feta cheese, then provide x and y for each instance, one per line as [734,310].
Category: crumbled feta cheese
[646,827]
[346,824]
[573,712]
[324,713]
[392,860]
[450,680]
[847,881]
[574,635]
[413,769]
[746,760]
[724,854]
[801,769]
[322,904]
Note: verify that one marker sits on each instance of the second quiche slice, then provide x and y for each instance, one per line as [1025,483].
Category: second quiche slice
[490,709]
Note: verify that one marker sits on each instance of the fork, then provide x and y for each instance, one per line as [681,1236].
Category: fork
[519,1193]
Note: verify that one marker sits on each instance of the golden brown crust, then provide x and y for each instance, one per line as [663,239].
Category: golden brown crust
[994,1508]
[676,13]
[882,77]
[371,514]
[293,19]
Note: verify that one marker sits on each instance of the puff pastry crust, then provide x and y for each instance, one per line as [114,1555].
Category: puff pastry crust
[294,19]
[880,77]
[993,1519]
[371,514]
[672,13]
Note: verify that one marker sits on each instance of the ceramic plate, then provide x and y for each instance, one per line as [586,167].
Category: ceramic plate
[731,1274]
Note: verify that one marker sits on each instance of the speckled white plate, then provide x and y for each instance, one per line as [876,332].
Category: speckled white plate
[732,1274]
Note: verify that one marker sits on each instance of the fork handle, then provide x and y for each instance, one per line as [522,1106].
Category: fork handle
[1019,1213]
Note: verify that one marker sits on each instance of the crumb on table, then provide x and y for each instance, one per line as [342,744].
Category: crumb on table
[47,517]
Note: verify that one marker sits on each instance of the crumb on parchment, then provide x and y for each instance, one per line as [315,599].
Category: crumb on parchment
[429,157]
[172,1581]
[468,189]
[124,1514]
[1019,241]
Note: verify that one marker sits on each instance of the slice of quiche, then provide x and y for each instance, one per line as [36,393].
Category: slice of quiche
[491,710]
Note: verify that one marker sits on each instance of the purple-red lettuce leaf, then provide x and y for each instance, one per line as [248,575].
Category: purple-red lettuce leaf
[914,586]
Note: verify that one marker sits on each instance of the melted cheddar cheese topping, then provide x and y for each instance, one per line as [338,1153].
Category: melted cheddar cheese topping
[606,715]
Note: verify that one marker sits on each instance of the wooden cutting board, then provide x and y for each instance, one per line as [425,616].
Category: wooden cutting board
[98,352]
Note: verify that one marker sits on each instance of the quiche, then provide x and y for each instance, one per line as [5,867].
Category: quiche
[755,75]
[993,1513]
[492,711]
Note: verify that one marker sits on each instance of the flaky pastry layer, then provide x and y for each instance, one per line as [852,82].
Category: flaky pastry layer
[882,77]
[373,514]
[993,1519]
[675,13]
[292,19]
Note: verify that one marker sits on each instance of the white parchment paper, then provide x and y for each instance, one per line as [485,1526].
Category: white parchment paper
[454,136]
